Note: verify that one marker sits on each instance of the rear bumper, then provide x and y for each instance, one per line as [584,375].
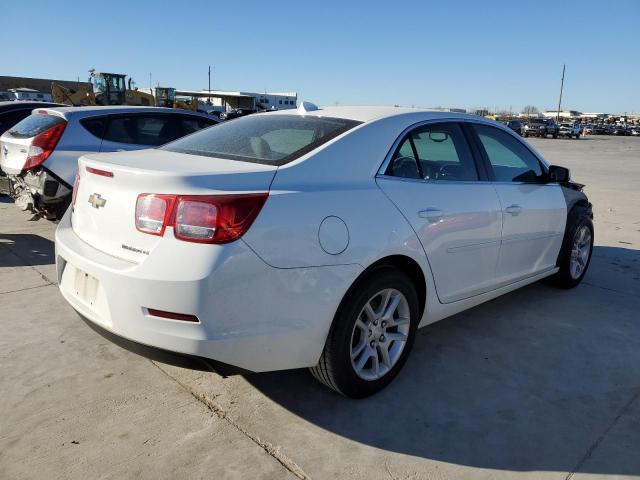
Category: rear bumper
[38,191]
[252,315]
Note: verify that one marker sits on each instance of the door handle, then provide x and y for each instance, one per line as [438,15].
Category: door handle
[431,214]
[513,209]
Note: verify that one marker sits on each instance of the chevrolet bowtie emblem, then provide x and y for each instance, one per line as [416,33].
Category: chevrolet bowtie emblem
[96,200]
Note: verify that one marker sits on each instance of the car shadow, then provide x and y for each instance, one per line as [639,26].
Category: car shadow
[530,381]
[27,249]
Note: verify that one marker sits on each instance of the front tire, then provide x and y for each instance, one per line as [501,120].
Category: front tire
[371,335]
[577,247]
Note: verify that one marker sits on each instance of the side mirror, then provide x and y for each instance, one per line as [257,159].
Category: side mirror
[559,174]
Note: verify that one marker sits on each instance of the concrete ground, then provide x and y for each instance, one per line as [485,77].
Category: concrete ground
[540,383]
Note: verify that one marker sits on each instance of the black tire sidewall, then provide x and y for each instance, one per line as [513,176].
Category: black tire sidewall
[345,377]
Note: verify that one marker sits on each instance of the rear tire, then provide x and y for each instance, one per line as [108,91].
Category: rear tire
[576,250]
[353,362]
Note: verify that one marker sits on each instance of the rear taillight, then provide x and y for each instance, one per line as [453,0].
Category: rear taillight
[202,219]
[76,186]
[43,144]
[153,212]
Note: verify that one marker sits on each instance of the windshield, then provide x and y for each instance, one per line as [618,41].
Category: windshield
[99,84]
[265,138]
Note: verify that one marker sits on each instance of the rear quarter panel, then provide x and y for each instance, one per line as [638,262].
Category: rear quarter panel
[337,180]
[75,142]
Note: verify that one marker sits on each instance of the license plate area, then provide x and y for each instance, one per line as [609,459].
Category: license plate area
[85,287]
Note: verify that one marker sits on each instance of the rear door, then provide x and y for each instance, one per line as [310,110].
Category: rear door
[533,211]
[135,131]
[433,179]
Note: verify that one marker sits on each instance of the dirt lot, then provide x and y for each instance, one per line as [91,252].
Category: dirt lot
[540,383]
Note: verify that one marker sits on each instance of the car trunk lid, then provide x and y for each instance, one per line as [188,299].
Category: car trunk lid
[109,186]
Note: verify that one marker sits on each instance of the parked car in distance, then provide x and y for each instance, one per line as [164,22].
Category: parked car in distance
[40,153]
[235,113]
[620,130]
[541,127]
[517,126]
[255,243]
[635,131]
[213,110]
[570,130]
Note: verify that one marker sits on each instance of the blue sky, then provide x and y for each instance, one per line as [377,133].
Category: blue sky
[501,54]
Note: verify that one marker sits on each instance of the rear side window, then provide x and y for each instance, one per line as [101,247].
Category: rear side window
[95,125]
[510,160]
[151,130]
[35,124]
[269,139]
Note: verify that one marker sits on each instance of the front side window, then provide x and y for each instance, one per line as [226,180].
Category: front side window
[510,160]
[269,138]
[441,152]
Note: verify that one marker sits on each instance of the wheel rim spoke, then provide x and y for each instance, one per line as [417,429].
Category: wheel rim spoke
[369,312]
[399,337]
[366,354]
[391,307]
[384,355]
[358,350]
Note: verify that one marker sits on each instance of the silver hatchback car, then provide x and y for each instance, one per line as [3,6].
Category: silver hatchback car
[40,153]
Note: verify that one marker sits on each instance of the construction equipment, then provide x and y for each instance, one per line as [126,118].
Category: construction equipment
[166,97]
[102,89]
[80,96]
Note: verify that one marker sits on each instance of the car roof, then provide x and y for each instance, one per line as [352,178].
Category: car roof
[368,114]
[79,112]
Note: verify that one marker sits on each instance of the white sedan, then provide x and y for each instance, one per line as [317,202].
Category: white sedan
[318,238]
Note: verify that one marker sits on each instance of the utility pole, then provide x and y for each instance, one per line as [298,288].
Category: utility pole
[150,85]
[560,101]
[209,77]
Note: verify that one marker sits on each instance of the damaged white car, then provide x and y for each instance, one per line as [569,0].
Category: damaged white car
[40,153]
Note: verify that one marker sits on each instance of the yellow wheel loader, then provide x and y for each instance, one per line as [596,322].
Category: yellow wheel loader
[102,89]
[166,97]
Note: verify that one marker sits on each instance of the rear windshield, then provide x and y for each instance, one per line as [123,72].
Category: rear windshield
[267,138]
[35,124]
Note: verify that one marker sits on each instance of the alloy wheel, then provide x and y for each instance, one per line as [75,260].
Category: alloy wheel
[380,334]
[580,251]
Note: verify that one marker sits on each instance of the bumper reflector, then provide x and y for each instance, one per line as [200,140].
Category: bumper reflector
[173,316]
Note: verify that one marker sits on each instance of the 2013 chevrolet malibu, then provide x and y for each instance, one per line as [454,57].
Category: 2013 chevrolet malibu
[322,238]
